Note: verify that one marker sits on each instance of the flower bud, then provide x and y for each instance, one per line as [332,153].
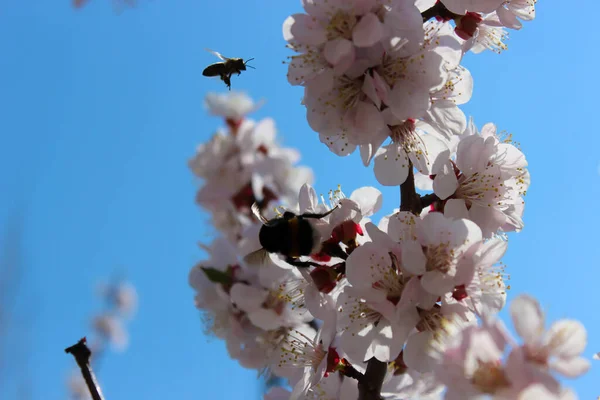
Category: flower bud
[324,278]
[467,25]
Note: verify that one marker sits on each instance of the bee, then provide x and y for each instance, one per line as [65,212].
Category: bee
[290,235]
[225,69]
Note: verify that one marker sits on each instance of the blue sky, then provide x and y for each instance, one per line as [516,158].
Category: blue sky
[100,113]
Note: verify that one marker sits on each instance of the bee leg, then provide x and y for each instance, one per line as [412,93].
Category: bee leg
[318,216]
[301,264]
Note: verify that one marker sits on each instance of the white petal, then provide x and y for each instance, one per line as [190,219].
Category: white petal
[303,29]
[367,122]
[368,31]
[369,199]
[265,319]
[407,100]
[336,50]
[435,152]
[567,338]
[247,298]
[413,259]
[417,354]
[571,367]
[438,283]
[369,89]
[445,184]
[491,252]
[391,165]
[307,199]
[527,317]
[367,265]
[456,208]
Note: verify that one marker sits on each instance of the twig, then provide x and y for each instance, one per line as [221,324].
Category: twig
[82,355]
[369,387]
[428,200]
[438,10]
[409,199]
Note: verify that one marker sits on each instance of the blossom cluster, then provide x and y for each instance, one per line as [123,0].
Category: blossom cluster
[341,306]
[109,331]
[405,291]
[243,164]
[380,71]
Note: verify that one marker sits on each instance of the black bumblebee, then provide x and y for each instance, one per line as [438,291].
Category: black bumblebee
[290,235]
[225,69]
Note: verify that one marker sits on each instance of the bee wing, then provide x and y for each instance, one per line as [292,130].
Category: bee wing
[256,211]
[216,53]
[258,257]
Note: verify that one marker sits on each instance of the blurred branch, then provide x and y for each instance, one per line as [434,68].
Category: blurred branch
[82,355]
[369,386]
[438,10]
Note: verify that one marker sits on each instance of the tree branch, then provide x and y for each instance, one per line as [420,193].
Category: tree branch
[438,10]
[82,355]
[409,199]
[351,372]
[369,386]
[428,200]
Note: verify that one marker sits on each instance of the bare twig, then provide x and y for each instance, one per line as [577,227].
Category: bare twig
[369,387]
[428,200]
[409,199]
[438,10]
[82,355]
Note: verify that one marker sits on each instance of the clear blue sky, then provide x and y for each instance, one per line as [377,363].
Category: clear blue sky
[100,113]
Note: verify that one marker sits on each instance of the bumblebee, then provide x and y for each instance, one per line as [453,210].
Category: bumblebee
[290,235]
[225,69]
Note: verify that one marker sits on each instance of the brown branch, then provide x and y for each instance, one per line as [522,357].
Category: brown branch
[409,199]
[428,200]
[351,372]
[82,355]
[369,387]
[438,10]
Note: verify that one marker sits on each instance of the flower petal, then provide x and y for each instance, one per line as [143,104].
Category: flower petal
[571,367]
[391,165]
[567,338]
[456,208]
[368,31]
[247,298]
[413,259]
[528,318]
[337,49]
[445,184]
[369,199]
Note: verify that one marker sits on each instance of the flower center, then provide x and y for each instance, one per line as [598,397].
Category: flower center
[483,189]
[406,135]
[292,292]
[392,281]
[392,69]
[489,377]
[360,311]
[439,258]
[298,350]
[341,24]
[349,91]
[431,320]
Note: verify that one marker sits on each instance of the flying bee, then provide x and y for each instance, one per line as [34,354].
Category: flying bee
[290,235]
[225,69]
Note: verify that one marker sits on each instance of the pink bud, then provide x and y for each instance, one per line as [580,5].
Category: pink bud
[467,25]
